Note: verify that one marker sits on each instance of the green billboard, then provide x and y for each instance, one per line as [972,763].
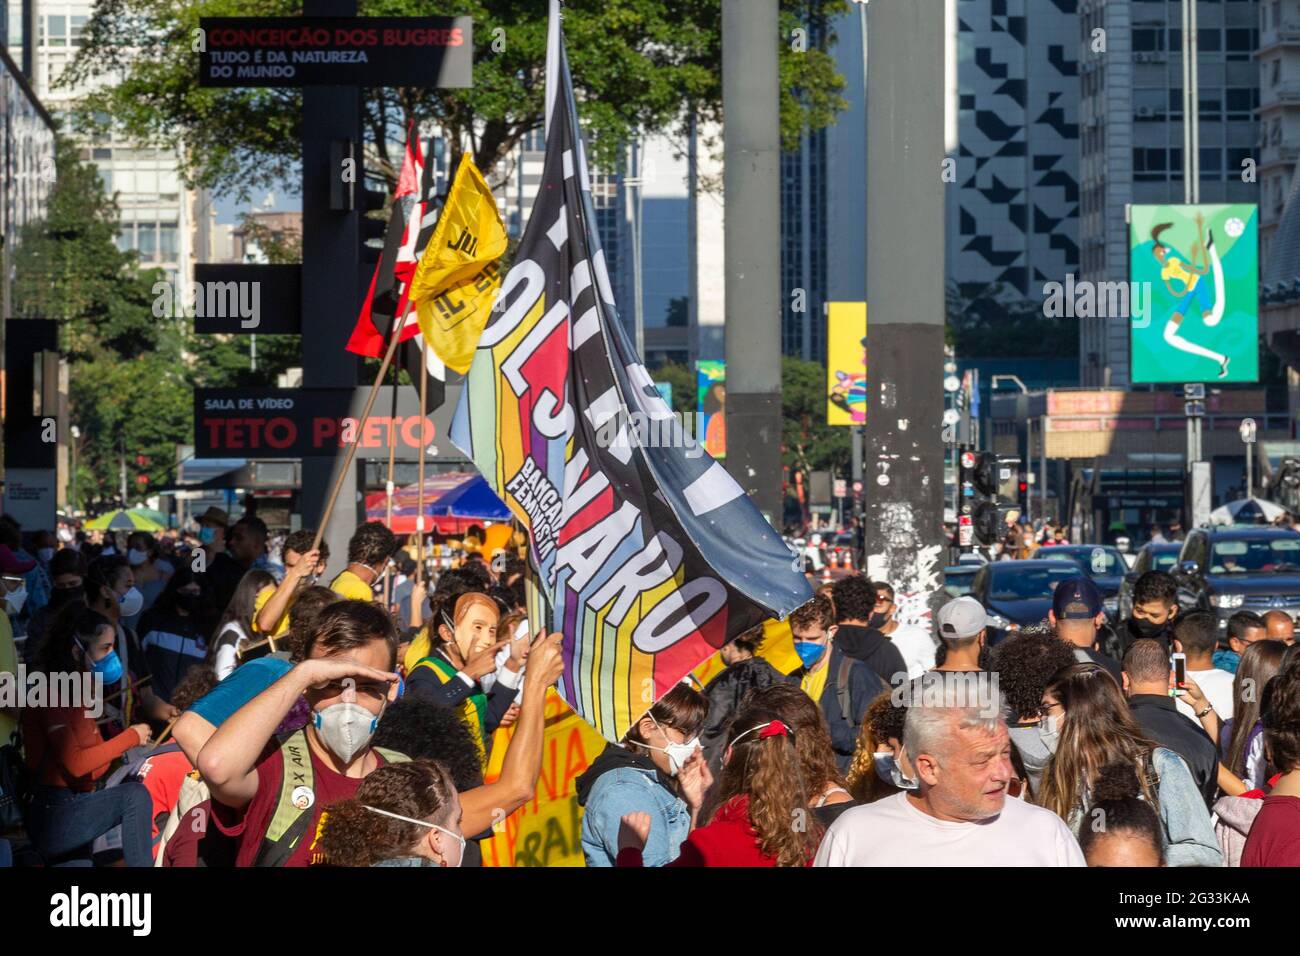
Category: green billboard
[1194,296]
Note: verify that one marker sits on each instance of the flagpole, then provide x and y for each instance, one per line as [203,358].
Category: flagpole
[351,454]
[388,487]
[419,509]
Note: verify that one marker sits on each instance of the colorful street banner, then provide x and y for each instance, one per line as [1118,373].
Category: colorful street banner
[711,404]
[846,363]
[649,554]
[1193,298]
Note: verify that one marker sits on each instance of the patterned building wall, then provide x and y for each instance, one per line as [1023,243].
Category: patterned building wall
[1018,156]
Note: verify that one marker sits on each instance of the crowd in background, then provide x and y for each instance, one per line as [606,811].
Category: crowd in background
[253,716]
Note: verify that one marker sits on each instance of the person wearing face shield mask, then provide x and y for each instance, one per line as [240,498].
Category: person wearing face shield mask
[659,770]
[272,803]
[403,815]
[461,671]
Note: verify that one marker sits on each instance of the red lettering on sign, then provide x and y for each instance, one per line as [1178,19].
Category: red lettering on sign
[287,433]
[322,431]
[417,432]
[374,435]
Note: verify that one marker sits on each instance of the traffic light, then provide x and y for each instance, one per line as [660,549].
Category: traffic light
[988,488]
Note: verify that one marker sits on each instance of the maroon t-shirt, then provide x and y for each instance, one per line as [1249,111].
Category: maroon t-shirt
[250,824]
[1274,838]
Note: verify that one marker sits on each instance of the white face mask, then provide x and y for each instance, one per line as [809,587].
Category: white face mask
[345,729]
[1049,731]
[17,599]
[459,838]
[130,603]
[678,754]
[136,557]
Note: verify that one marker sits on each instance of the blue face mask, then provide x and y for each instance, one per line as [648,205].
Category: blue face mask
[206,534]
[110,665]
[809,652]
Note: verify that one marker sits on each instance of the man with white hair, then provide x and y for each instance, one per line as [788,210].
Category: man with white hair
[960,815]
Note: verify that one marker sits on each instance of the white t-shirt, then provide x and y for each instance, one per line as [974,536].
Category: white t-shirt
[892,832]
[917,647]
[1216,685]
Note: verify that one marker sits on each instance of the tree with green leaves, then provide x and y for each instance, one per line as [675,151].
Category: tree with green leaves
[131,372]
[637,65]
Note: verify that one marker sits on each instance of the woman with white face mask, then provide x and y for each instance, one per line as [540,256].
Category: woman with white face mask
[659,769]
[1087,725]
[404,814]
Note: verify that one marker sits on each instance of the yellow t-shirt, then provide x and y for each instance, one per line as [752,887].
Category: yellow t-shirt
[352,587]
[814,683]
[263,596]
[8,665]
[1174,269]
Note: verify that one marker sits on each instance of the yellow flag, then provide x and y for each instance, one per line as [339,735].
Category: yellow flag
[457,278]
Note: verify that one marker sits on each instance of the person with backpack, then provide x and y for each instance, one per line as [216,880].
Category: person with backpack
[843,686]
[272,799]
[67,753]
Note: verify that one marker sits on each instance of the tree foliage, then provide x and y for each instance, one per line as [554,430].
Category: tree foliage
[637,65]
[987,321]
[130,372]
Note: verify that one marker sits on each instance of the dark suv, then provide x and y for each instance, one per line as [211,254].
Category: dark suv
[1229,569]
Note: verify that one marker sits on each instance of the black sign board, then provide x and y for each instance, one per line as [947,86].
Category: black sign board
[30,431]
[336,51]
[317,423]
[245,299]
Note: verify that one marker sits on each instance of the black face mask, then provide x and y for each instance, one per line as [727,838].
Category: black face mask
[877,620]
[189,603]
[62,596]
[1144,628]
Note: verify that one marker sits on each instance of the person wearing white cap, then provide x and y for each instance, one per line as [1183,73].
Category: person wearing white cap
[962,631]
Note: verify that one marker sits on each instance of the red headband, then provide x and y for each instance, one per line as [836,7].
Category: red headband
[774,728]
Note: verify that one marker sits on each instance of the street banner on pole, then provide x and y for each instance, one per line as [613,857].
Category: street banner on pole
[648,553]
[846,363]
[1194,296]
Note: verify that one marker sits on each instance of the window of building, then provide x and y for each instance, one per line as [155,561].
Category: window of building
[1148,39]
[1235,157]
[1275,71]
[1242,103]
[1240,43]
[57,31]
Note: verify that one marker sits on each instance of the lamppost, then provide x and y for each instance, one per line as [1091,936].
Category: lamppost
[76,435]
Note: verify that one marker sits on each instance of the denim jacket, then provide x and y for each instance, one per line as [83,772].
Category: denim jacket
[1189,835]
[627,789]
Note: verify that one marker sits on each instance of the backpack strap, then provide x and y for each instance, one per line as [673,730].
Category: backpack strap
[288,822]
[842,688]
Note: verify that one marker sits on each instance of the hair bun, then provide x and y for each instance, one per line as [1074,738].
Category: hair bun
[1116,781]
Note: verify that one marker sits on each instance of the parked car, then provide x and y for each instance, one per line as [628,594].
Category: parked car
[1016,594]
[957,579]
[1233,568]
[1154,556]
[1101,562]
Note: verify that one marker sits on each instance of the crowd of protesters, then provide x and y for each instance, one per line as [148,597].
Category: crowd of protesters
[252,716]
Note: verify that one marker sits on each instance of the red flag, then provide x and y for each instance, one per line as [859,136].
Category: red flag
[386,297]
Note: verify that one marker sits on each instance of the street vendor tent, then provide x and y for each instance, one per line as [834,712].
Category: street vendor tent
[452,502]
